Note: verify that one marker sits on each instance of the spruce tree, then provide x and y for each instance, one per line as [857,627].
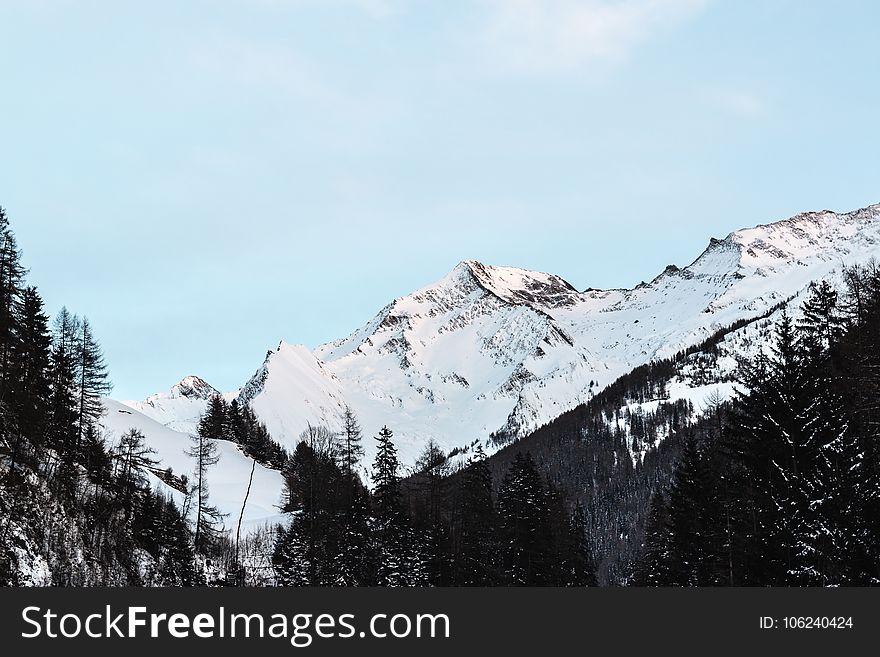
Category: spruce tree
[771,433]
[822,323]
[63,427]
[579,567]
[93,382]
[858,382]
[177,562]
[307,553]
[475,548]
[399,561]
[429,479]
[655,564]
[214,423]
[11,279]
[387,495]
[695,518]
[30,395]
[525,525]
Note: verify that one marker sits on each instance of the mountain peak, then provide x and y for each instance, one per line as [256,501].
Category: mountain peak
[521,286]
[193,387]
[805,235]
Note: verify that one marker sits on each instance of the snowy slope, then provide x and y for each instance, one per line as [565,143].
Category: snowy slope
[181,407]
[227,481]
[500,351]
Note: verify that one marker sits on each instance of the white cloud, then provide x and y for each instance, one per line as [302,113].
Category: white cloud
[540,36]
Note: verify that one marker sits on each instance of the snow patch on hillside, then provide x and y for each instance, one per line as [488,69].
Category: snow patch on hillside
[227,481]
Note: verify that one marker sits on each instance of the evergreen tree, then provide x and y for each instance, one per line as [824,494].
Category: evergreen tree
[429,479]
[769,434]
[858,383]
[694,518]
[306,554]
[386,480]
[655,565]
[97,462]
[63,425]
[234,428]
[177,561]
[93,382]
[30,395]
[822,324]
[11,279]
[353,567]
[579,569]
[214,423]
[525,525]
[475,549]
[399,561]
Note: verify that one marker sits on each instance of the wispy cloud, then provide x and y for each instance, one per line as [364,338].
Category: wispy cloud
[541,36]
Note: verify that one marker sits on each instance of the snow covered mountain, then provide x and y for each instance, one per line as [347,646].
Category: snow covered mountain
[181,407]
[490,353]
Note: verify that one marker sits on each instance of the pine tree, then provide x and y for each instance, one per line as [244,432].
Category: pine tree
[429,479]
[214,423]
[579,567]
[857,361]
[96,460]
[307,553]
[93,382]
[475,549]
[770,431]
[177,563]
[694,518]
[655,565]
[822,324]
[386,481]
[352,567]
[399,561]
[525,525]
[234,428]
[63,428]
[30,395]
[11,280]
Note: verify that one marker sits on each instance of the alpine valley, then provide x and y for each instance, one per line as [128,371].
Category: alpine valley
[539,428]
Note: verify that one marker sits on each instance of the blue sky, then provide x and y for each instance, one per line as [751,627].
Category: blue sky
[205,178]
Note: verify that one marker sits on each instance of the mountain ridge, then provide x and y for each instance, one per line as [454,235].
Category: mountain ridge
[498,351]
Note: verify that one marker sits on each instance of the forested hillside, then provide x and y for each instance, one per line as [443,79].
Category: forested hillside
[73,510]
[781,487]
